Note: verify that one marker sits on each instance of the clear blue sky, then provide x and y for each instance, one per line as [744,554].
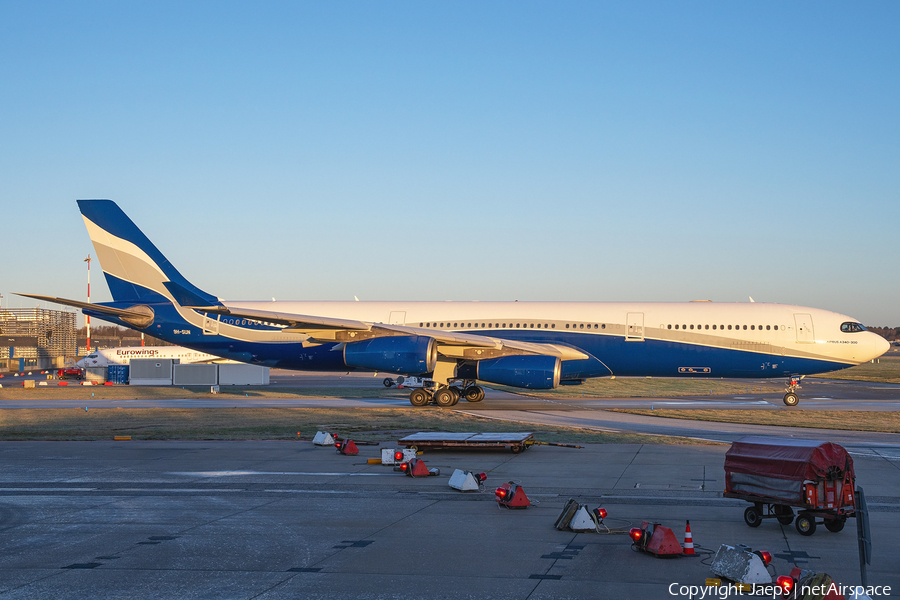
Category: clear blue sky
[491,151]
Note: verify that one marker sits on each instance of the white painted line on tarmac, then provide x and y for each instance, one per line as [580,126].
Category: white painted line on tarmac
[574,426]
[175,490]
[46,489]
[712,403]
[246,473]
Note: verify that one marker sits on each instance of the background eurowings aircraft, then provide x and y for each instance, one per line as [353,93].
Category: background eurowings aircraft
[123,356]
[524,344]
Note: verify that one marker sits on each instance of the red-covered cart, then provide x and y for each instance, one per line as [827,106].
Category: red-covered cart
[778,475]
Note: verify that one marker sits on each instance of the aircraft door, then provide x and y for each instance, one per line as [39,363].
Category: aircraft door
[210,325]
[398,317]
[634,327]
[805,333]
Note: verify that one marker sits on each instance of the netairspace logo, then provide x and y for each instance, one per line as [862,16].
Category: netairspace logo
[699,592]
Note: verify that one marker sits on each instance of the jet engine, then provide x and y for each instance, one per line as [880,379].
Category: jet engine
[532,372]
[409,355]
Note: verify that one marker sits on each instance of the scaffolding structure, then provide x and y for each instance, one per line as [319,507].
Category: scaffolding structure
[54,331]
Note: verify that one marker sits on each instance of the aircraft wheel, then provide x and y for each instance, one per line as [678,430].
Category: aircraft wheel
[791,399]
[388,382]
[474,394]
[805,524]
[752,517]
[418,397]
[444,398]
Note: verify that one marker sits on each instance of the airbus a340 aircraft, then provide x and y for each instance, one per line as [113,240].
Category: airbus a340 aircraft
[524,344]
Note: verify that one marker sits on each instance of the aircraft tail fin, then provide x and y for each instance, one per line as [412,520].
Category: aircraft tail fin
[135,270]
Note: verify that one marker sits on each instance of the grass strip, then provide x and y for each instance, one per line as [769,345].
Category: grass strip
[885,370]
[368,424]
[649,387]
[134,392]
[886,422]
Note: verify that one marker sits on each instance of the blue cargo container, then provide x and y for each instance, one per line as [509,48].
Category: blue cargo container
[117,374]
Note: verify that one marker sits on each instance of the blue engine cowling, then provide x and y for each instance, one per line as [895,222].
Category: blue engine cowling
[532,372]
[408,355]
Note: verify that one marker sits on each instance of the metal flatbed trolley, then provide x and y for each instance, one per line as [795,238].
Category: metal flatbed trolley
[517,442]
[777,474]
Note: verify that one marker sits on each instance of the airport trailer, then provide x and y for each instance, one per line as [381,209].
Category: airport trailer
[517,442]
[777,475]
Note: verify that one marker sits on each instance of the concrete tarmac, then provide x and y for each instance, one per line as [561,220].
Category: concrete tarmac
[270,520]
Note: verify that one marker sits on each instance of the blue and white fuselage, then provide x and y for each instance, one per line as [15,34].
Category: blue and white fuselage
[529,344]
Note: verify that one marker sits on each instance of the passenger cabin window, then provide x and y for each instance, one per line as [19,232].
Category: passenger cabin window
[852,327]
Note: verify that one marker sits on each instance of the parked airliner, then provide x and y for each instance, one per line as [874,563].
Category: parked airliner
[533,345]
[124,356]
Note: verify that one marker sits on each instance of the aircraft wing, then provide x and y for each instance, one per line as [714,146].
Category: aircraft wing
[465,346]
[296,323]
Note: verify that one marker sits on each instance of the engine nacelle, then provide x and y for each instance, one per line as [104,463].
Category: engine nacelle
[409,355]
[532,372]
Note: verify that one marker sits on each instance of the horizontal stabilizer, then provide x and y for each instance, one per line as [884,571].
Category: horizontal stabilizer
[140,315]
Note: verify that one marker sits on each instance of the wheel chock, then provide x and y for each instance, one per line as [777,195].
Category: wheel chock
[417,468]
[582,521]
[511,495]
[655,539]
[347,447]
[802,579]
[465,481]
[741,565]
[323,438]
[565,517]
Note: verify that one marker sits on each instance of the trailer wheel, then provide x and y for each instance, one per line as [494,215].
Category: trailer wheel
[388,382]
[806,524]
[752,516]
[785,514]
[834,525]
[418,397]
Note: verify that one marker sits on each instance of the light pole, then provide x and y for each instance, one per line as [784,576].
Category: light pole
[87,318]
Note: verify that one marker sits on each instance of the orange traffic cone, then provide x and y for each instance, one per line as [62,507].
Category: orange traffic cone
[688,541]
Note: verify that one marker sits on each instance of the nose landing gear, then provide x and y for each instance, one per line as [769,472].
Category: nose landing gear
[791,398]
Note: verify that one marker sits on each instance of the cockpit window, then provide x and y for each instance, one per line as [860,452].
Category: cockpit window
[852,327]
[92,356]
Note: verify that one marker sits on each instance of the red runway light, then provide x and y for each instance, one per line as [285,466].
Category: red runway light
[785,583]
[635,534]
[398,456]
[500,492]
[601,512]
[404,466]
[765,556]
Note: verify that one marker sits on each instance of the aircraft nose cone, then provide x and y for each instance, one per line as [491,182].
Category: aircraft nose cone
[881,346]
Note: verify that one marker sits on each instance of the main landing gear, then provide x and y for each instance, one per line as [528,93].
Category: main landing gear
[446,396]
[790,398]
